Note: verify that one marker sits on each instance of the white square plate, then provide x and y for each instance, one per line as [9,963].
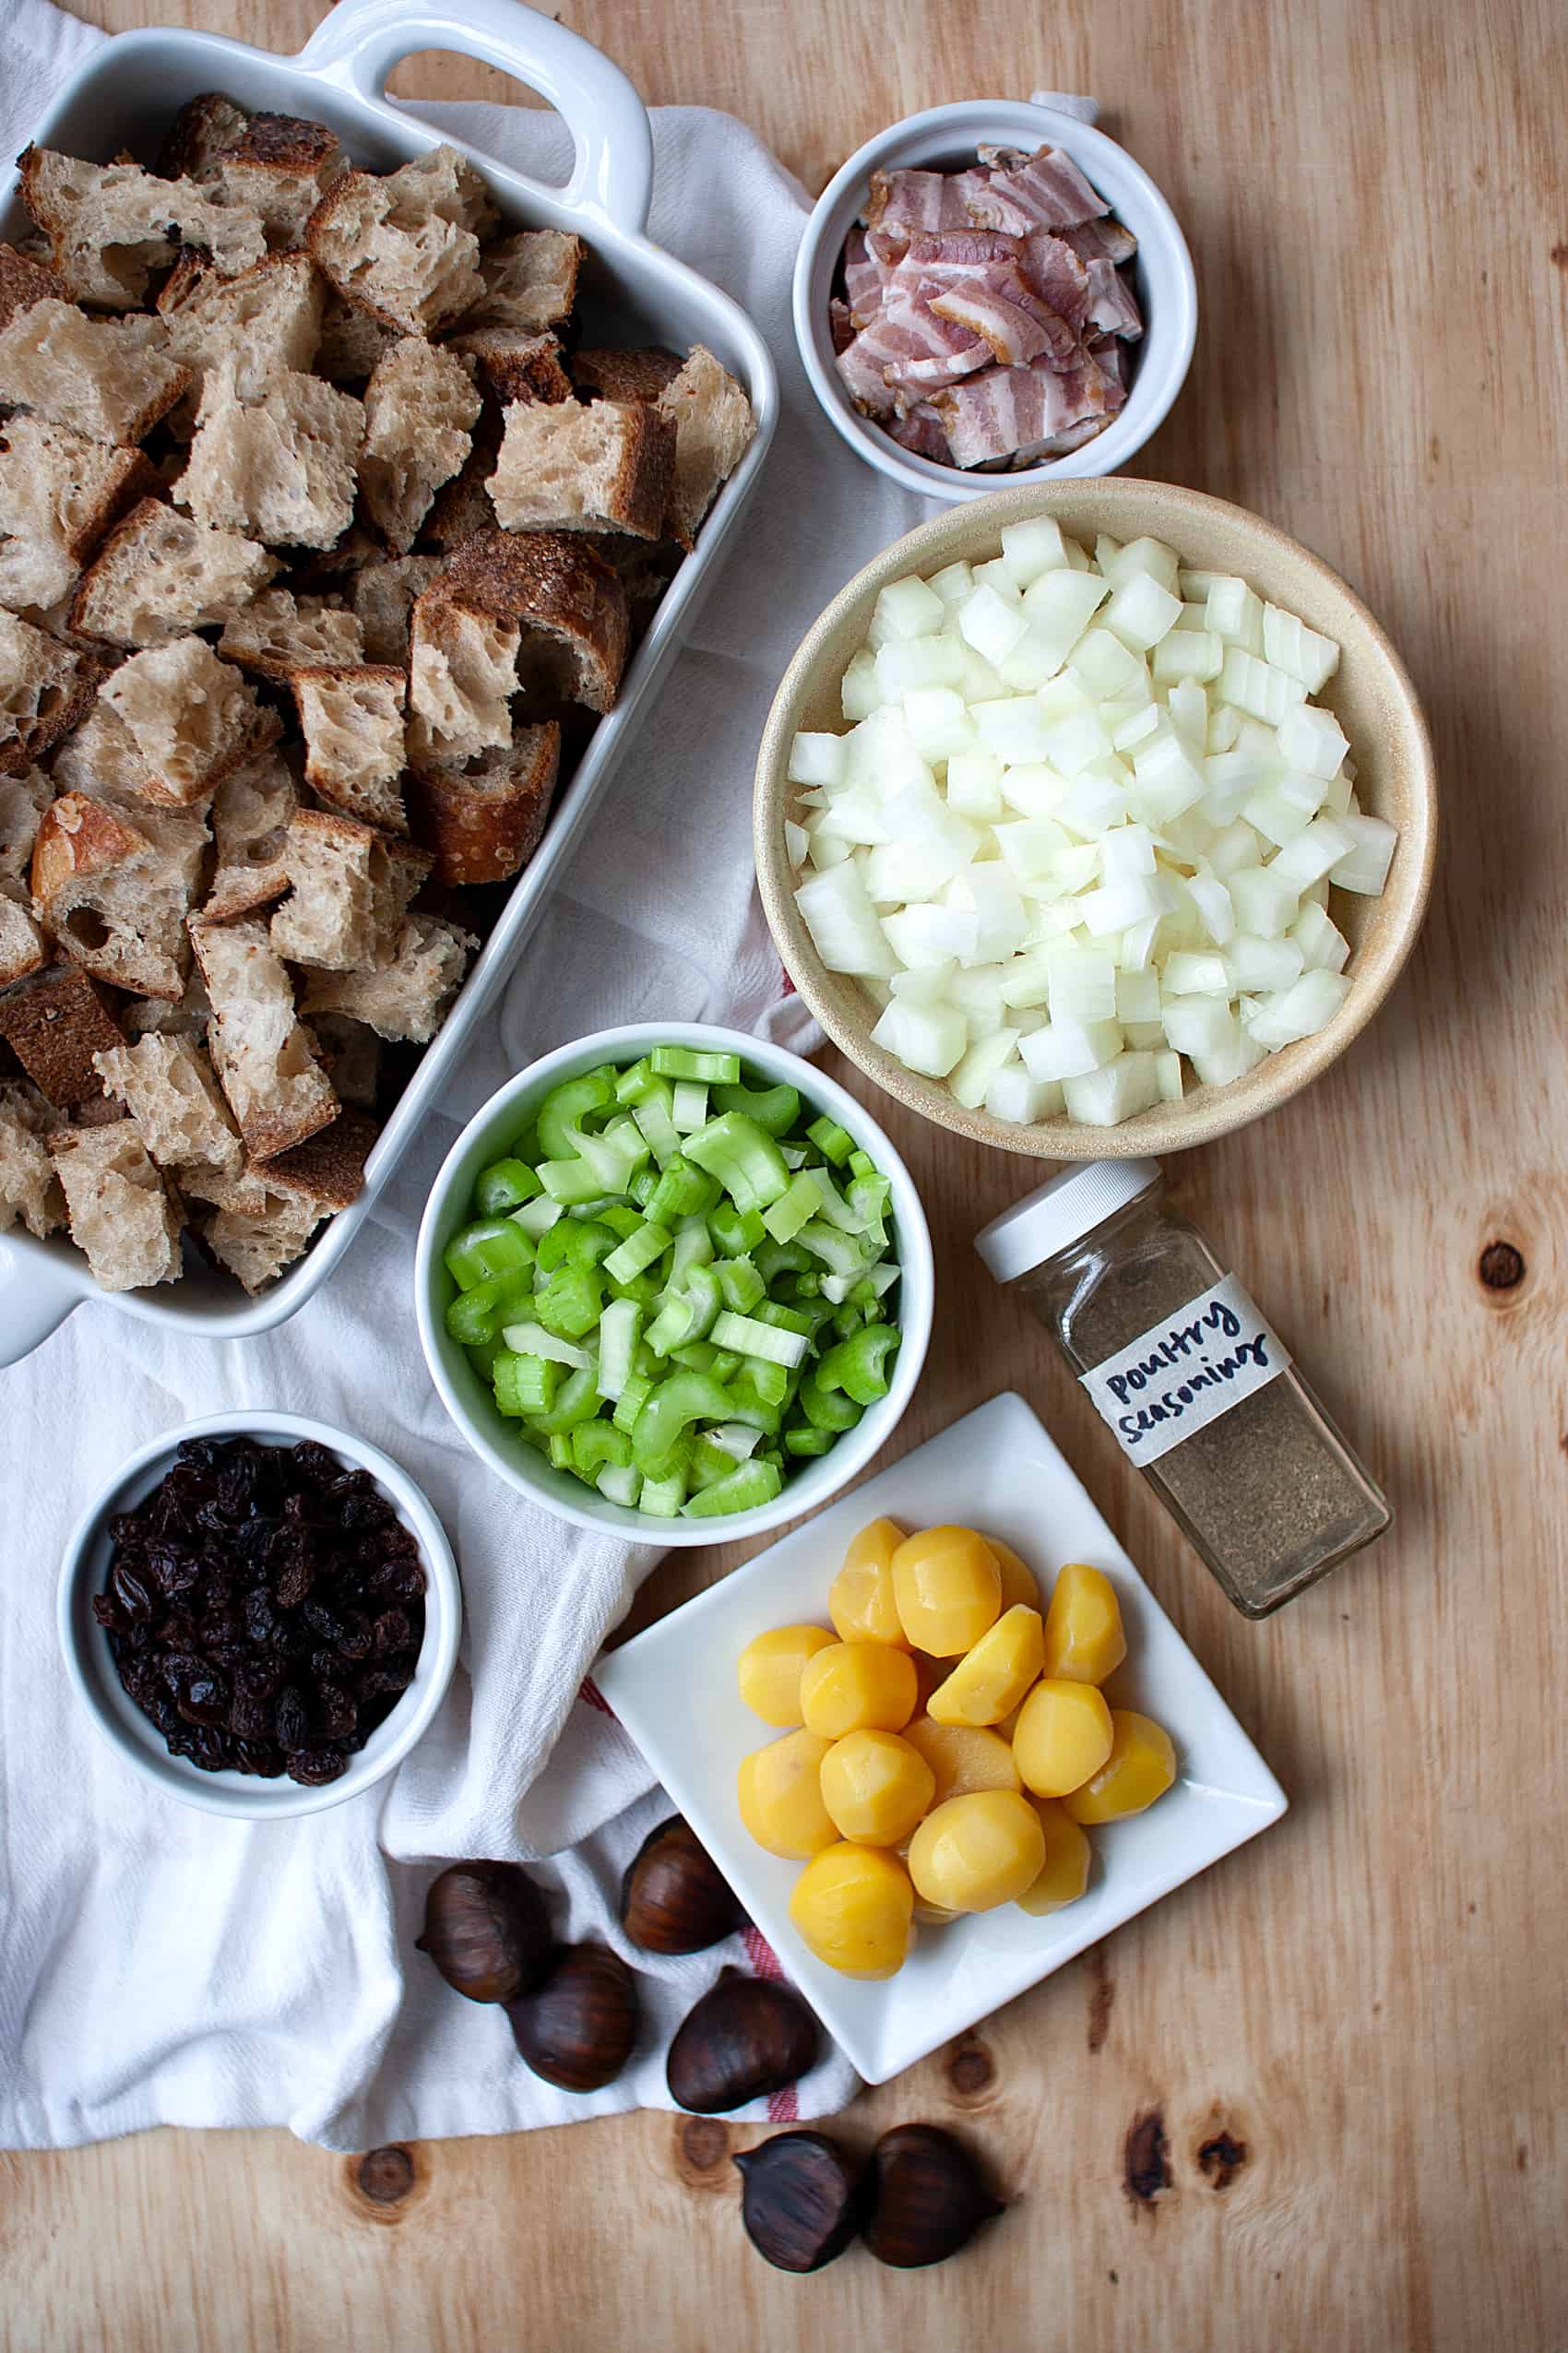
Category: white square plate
[673,1688]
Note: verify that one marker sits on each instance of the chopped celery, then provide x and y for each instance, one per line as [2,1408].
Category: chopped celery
[490,1246]
[566,1105]
[594,1444]
[569,1181]
[576,1401]
[691,1062]
[560,1451]
[835,1143]
[647,1244]
[684,1190]
[805,1199]
[734,1231]
[749,1485]
[576,1241]
[634,1085]
[621,1483]
[741,1285]
[662,1498]
[724,1363]
[862,1164]
[537,1216]
[475,1316]
[743,1157]
[689,1110]
[683,1399]
[571,1301]
[504,1186]
[774,1108]
[699,1356]
[758,1339]
[805,1440]
[655,1117]
[535,1382]
[631,1399]
[687,1315]
[693,1247]
[841,1254]
[859,1365]
[827,1408]
[618,1330]
[482,1354]
[532,1339]
[621,1221]
[503,1381]
[737,1439]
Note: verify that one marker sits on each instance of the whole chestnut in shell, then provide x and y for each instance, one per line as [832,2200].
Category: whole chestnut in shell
[674,1898]
[927,2197]
[800,2201]
[745,2037]
[487,1931]
[578,2028]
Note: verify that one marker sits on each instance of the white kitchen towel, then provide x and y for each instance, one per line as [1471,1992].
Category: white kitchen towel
[159,1967]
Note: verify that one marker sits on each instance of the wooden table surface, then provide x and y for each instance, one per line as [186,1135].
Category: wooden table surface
[1320,2094]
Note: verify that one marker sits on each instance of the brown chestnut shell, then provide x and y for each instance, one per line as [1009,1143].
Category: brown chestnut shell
[576,2029]
[745,2037]
[927,2197]
[673,1897]
[801,2200]
[487,1931]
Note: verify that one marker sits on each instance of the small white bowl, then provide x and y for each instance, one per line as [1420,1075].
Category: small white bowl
[945,138]
[116,1718]
[673,1688]
[491,1133]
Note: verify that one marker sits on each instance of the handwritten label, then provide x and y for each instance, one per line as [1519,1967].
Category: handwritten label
[1185,1372]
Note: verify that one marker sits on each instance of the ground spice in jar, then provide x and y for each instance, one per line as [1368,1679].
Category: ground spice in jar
[1201,1393]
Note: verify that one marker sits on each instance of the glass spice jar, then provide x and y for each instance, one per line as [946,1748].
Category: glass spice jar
[1200,1393]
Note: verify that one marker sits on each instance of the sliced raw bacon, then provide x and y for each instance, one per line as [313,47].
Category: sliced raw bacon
[1013,411]
[918,200]
[1047,192]
[1057,275]
[1101,241]
[863,279]
[1007,315]
[840,325]
[1112,305]
[929,254]
[861,368]
[921,432]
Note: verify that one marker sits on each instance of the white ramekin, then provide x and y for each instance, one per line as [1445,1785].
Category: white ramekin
[946,137]
[116,1718]
[491,1133]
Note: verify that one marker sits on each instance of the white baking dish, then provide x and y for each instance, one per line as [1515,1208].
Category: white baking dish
[124,96]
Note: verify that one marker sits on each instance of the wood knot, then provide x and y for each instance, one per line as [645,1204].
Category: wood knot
[970,2069]
[702,2147]
[1145,2158]
[385,2176]
[1502,1267]
[1221,2157]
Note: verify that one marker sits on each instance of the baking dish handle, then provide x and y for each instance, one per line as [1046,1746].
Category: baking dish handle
[35,1299]
[361,41]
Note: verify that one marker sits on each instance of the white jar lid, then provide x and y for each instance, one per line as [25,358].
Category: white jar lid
[1071,1205]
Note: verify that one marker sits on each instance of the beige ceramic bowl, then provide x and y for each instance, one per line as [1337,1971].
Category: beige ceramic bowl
[1371,694]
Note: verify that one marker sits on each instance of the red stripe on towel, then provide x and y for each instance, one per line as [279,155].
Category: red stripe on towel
[591,1696]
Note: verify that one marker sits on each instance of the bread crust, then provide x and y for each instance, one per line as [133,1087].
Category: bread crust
[25,280]
[625,376]
[483,824]
[554,586]
[54,1023]
[599,465]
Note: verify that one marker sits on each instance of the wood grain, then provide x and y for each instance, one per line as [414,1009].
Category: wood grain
[1334,2069]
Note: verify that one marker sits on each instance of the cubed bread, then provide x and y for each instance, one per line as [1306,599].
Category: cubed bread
[120,1211]
[250,817]
[514,365]
[408,995]
[30,1190]
[462,675]
[605,466]
[462,507]
[483,821]
[625,376]
[23,948]
[645,569]
[570,607]
[54,1022]
[384,596]
[47,688]
[403,245]
[279,633]
[349,891]
[419,406]
[530,282]
[112,882]
[99,756]
[263,323]
[329,1170]
[352,339]
[352,716]
[280,466]
[167,1085]
[159,575]
[280,166]
[204,129]
[714,428]
[350,1055]
[153,1017]
[23,799]
[256,1244]
[194,719]
[24,279]
[260,1048]
[59,494]
[104,377]
[109,224]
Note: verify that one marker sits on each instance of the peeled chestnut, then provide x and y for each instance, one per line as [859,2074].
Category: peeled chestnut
[578,2028]
[926,2196]
[801,2202]
[747,2037]
[674,1898]
[487,1931]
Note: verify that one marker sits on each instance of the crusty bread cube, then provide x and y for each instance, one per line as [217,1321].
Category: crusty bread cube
[462,507]
[120,1211]
[462,675]
[419,406]
[483,821]
[194,719]
[205,127]
[25,279]
[30,1190]
[279,633]
[714,428]
[352,339]
[530,282]
[23,799]
[45,690]
[349,891]
[23,948]
[59,494]
[167,1085]
[260,1048]
[159,575]
[102,376]
[280,467]
[329,1170]
[384,596]
[280,166]
[569,605]
[350,1055]
[408,995]
[250,817]
[352,716]
[638,374]
[514,365]
[154,1018]
[403,245]
[257,1244]
[603,467]
[108,224]
[263,323]
[54,1022]
[112,882]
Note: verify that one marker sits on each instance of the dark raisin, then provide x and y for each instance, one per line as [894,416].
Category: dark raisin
[323,1621]
[318,1765]
[291,1718]
[261,1618]
[295,1580]
[260,1757]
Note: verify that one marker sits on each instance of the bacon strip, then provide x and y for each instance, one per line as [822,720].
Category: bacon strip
[1047,192]
[1008,412]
